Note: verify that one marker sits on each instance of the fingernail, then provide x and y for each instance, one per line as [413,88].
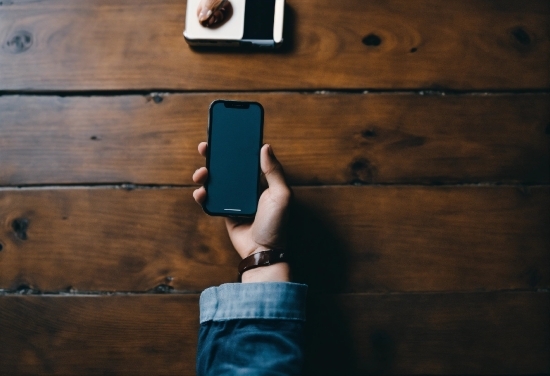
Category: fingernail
[204,14]
[212,20]
[270,150]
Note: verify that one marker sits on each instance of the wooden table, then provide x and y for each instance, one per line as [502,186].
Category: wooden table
[416,136]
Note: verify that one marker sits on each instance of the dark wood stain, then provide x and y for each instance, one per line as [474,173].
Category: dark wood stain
[533,277]
[314,53]
[132,264]
[420,216]
[497,332]
[407,142]
[343,128]
[377,238]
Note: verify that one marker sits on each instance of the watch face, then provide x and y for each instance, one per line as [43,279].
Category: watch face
[232,29]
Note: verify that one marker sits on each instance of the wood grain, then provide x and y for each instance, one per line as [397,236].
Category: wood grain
[483,333]
[472,333]
[320,139]
[351,239]
[99,335]
[138,44]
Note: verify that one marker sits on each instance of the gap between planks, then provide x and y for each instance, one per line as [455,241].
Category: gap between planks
[132,187]
[164,92]
[32,292]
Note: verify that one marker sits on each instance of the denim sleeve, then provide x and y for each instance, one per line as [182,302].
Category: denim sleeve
[252,329]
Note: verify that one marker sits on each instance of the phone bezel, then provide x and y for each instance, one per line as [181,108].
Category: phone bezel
[209,134]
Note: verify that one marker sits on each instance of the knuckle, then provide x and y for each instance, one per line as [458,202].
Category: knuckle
[284,195]
[271,170]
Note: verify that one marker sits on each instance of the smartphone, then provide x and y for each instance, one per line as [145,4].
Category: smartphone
[235,132]
[254,23]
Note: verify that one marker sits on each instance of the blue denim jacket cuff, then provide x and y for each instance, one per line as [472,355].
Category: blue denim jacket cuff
[268,300]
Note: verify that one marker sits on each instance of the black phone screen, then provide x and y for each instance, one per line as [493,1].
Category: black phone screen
[233,158]
[259,16]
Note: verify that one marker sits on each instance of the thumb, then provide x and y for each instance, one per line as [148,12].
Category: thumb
[207,8]
[272,169]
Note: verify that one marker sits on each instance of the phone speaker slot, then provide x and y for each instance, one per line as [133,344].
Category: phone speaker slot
[238,105]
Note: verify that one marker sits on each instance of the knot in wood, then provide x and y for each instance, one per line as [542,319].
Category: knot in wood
[19,42]
[20,227]
[362,171]
[372,40]
[163,289]
[367,133]
[521,36]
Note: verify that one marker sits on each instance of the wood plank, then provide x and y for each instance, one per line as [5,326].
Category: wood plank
[138,44]
[485,333]
[320,139]
[357,239]
[472,333]
[99,335]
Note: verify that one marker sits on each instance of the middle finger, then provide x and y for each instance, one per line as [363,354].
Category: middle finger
[200,175]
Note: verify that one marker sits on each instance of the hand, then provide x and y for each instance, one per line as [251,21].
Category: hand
[267,229]
[213,12]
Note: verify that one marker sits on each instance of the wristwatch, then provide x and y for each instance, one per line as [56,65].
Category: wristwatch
[262,258]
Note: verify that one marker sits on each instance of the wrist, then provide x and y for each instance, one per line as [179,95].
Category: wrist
[279,272]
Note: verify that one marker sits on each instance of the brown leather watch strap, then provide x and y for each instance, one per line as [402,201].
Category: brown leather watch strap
[263,258]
